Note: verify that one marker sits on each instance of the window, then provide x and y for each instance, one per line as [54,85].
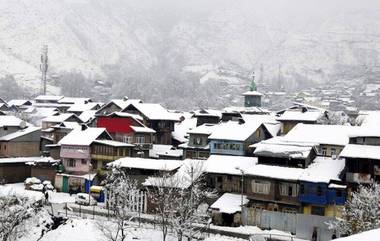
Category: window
[288,189]
[197,141]
[317,210]
[5,128]
[127,139]
[261,187]
[71,163]
[140,139]
[333,152]
[302,189]
[83,161]
[360,140]
[219,179]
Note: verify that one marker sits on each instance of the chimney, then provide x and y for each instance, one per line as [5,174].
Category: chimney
[125,98]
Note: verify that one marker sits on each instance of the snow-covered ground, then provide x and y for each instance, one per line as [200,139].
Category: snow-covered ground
[372,235]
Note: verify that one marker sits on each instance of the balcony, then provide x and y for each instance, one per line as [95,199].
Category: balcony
[358,177]
[143,146]
[312,199]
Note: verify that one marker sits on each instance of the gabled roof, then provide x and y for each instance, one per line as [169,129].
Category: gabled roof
[321,134]
[80,107]
[67,125]
[154,111]
[208,112]
[291,115]
[229,203]
[10,120]
[280,147]
[20,133]
[19,102]
[124,114]
[121,103]
[74,100]
[83,137]
[361,151]
[234,130]
[205,129]
[60,117]
[113,143]
[48,98]
[87,115]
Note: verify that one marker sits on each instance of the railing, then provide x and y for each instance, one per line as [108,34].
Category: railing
[358,177]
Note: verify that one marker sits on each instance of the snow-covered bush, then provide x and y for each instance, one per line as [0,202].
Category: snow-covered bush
[362,212]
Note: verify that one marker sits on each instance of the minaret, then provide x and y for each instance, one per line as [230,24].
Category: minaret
[44,68]
[252,98]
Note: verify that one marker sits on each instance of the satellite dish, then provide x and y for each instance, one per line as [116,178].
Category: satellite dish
[23,124]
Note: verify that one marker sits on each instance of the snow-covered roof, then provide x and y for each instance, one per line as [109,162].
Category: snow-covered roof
[365,131]
[73,100]
[164,150]
[280,147]
[87,115]
[156,112]
[181,128]
[124,103]
[18,159]
[361,151]
[124,114]
[323,169]
[182,178]
[322,134]
[233,130]
[371,235]
[229,203]
[20,133]
[252,93]
[142,129]
[66,125]
[291,115]
[229,164]
[205,129]
[43,160]
[18,102]
[80,107]
[10,120]
[48,97]
[145,163]
[113,143]
[58,118]
[242,109]
[275,172]
[208,112]
[82,137]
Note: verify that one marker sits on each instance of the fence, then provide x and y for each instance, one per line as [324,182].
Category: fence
[303,226]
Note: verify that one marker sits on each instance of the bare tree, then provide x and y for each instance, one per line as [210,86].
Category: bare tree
[122,193]
[14,212]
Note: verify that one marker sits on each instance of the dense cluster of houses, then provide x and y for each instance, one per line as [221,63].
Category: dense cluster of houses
[285,162]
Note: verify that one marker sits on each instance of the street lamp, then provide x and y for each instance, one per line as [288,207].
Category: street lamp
[242,192]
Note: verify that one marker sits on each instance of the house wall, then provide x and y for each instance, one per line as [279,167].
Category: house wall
[81,165]
[224,183]
[14,172]
[207,119]
[362,170]
[117,124]
[110,108]
[329,150]
[19,149]
[71,151]
[44,173]
[189,153]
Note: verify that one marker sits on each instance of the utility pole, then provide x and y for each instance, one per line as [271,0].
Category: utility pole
[44,68]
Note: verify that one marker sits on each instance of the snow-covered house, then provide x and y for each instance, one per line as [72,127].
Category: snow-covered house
[197,146]
[44,168]
[281,152]
[330,138]
[15,169]
[207,116]
[20,104]
[79,108]
[10,124]
[291,118]
[22,143]
[362,156]
[156,117]
[128,128]
[115,105]
[235,137]
[58,118]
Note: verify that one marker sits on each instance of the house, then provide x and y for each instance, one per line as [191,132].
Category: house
[165,152]
[235,137]
[197,146]
[74,100]
[10,124]
[15,169]
[278,151]
[208,116]
[224,173]
[55,119]
[106,151]
[362,157]
[322,191]
[330,138]
[88,117]
[180,135]
[226,211]
[291,118]
[22,143]
[20,104]
[53,99]
[235,112]
[252,98]
[157,118]
[50,101]
[79,108]
[128,128]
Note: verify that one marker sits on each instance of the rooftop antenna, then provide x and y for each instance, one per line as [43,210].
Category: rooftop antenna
[44,68]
